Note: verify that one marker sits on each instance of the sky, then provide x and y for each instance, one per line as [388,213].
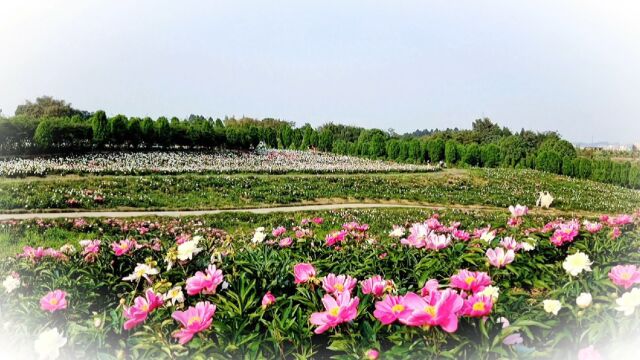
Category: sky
[567,66]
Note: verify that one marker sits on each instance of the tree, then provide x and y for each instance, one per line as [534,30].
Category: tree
[147,131]
[134,135]
[100,126]
[584,169]
[549,161]
[163,131]
[118,127]
[490,155]
[44,135]
[46,106]
[436,150]
[567,166]
[471,155]
[513,149]
[634,177]
[451,152]
[325,140]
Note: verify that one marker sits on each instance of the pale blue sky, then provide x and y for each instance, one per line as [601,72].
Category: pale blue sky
[571,66]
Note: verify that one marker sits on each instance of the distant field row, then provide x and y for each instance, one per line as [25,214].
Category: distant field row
[494,187]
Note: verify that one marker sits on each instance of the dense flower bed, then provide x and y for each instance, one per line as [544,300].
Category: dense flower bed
[448,285]
[172,162]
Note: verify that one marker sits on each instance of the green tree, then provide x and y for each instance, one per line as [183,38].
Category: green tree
[100,126]
[118,127]
[471,155]
[451,152]
[436,150]
[490,155]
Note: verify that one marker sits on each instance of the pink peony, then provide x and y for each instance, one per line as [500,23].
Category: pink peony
[461,235]
[376,285]
[279,231]
[338,310]
[335,237]
[390,309]
[499,258]
[625,275]
[303,272]
[317,220]
[54,301]
[418,234]
[470,281]
[518,210]
[142,307]
[193,320]
[615,233]
[372,354]
[336,285]
[285,242]
[592,227]
[267,300]
[123,246]
[510,243]
[430,286]
[439,308]
[205,282]
[477,306]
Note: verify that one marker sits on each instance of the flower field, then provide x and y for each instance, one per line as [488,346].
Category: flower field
[391,283]
[177,162]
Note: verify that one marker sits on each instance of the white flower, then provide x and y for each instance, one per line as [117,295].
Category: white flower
[584,300]
[552,306]
[10,283]
[504,321]
[488,236]
[492,291]
[628,302]
[224,285]
[141,270]
[577,263]
[188,249]
[397,232]
[48,344]
[528,244]
[259,236]
[175,295]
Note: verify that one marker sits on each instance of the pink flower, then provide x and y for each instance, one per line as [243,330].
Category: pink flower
[336,285]
[615,233]
[430,286]
[334,237]
[193,320]
[337,311]
[90,246]
[142,307]
[123,247]
[514,221]
[317,220]
[390,309]
[499,258]
[477,306]
[54,301]
[183,238]
[510,243]
[372,354]
[439,308]
[592,227]
[285,242]
[433,223]
[376,285]
[437,242]
[589,353]
[267,300]
[417,236]
[513,339]
[518,210]
[461,235]
[303,272]
[204,282]
[625,275]
[621,220]
[280,230]
[470,280]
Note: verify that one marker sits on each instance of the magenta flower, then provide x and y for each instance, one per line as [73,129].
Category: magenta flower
[470,281]
[615,233]
[303,272]
[317,220]
[430,286]
[205,282]
[592,227]
[461,235]
[338,310]
[123,246]
[267,300]
[335,237]
[477,306]
[417,236]
[372,354]
[142,307]
[277,232]
[376,285]
[390,309]
[510,243]
[336,285]
[499,258]
[625,275]
[54,301]
[621,220]
[193,320]
[439,308]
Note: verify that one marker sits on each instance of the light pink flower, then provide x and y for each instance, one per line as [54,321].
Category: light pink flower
[390,309]
[592,227]
[518,210]
[510,243]
[437,242]
[336,285]
[123,246]
[337,311]
[625,275]
[439,308]
[621,220]
[470,280]
[461,235]
[285,242]
[142,307]
[277,232]
[90,246]
[589,353]
[418,234]
[372,354]
[615,233]
[430,286]
[335,237]
[303,272]
[193,320]
[267,300]
[499,258]
[376,285]
[205,282]
[54,301]
[513,339]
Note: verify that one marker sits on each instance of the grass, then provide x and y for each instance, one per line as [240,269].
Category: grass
[491,187]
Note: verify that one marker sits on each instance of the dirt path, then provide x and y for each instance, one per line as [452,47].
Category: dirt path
[179,213]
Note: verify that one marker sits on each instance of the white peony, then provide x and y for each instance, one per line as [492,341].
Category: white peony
[577,263]
[397,232]
[552,306]
[488,236]
[528,244]
[584,300]
[259,236]
[174,295]
[188,249]
[492,291]
[141,270]
[10,284]
[48,344]
[628,302]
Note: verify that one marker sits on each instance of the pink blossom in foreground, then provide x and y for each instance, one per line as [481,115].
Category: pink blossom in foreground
[142,307]
[589,353]
[205,282]
[437,242]
[433,223]
[337,311]
[625,275]
[279,231]
[267,300]
[430,286]
[54,301]
[510,243]
[470,280]
[390,309]
[417,237]
[193,320]
[335,237]
[372,354]
[376,286]
[285,242]
[461,235]
[477,306]
[518,210]
[498,257]
[303,272]
[123,246]
[592,227]
[439,308]
[336,285]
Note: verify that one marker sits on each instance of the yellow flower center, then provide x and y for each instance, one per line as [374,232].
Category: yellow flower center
[431,310]
[124,246]
[479,306]
[625,276]
[339,287]
[53,301]
[334,311]
[469,280]
[397,308]
[194,319]
[145,307]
